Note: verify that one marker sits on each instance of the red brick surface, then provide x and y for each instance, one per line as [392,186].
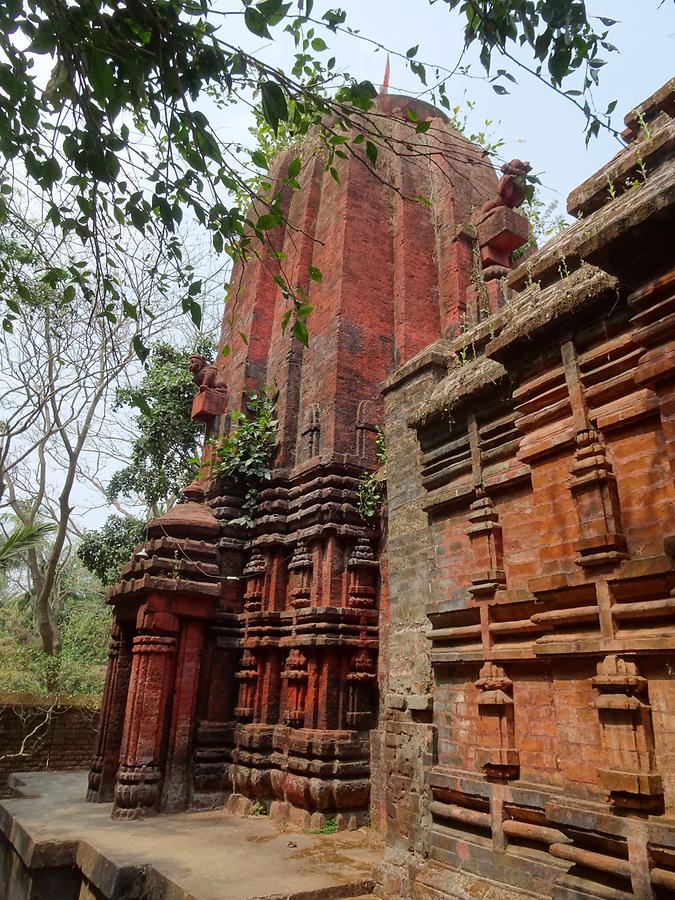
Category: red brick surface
[544,567]
[253,675]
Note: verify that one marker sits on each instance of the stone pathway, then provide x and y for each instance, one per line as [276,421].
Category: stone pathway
[190,856]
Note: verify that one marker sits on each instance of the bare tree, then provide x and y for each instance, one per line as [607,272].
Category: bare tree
[59,371]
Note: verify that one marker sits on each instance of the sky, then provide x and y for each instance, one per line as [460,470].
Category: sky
[535,123]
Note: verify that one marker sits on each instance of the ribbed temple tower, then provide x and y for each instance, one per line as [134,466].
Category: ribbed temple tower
[244,659]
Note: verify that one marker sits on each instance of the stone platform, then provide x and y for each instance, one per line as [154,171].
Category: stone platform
[55,845]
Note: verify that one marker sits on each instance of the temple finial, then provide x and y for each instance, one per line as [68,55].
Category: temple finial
[385,81]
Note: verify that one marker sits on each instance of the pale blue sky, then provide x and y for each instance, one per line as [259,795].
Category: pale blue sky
[536,124]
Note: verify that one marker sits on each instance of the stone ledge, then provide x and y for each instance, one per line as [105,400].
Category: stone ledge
[73,849]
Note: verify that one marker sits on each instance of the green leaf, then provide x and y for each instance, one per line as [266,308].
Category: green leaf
[256,22]
[101,74]
[294,168]
[412,51]
[371,152]
[259,159]
[499,89]
[274,107]
[129,310]
[139,347]
[267,221]
[51,172]
[315,274]
[196,313]
[363,94]
[423,127]
[300,332]
[319,44]
[208,144]
[559,64]
[273,10]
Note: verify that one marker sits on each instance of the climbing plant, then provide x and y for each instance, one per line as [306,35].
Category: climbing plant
[245,455]
[371,490]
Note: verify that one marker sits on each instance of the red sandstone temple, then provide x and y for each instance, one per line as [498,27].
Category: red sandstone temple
[486,673]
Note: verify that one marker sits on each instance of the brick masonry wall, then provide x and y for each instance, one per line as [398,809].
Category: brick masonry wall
[405,668]
[528,687]
[35,737]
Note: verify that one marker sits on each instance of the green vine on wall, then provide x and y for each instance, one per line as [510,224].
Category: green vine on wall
[371,489]
[245,455]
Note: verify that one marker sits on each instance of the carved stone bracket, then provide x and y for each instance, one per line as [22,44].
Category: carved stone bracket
[485,534]
[301,568]
[361,678]
[627,735]
[596,498]
[311,431]
[295,674]
[248,678]
[254,573]
[363,568]
[593,483]
[499,759]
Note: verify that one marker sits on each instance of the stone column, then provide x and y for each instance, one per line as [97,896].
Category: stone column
[111,722]
[138,788]
[176,783]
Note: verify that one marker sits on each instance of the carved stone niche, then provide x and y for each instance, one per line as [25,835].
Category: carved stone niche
[485,534]
[301,567]
[498,756]
[362,568]
[248,682]
[627,736]
[361,681]
[368,419]
[295,674]
[254,574]
[311,431]
[596,498]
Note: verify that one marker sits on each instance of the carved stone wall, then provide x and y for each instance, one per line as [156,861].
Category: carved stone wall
[530,690]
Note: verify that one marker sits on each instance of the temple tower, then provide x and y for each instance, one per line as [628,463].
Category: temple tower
[244,665]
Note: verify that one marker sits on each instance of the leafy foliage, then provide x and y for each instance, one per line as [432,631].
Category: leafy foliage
[559,35]
[330,827]
[84,626]
[458,118]
[106,550]
[163,456]
[20,540]
[246,454]
[119,136]
[545,222]
[371,491]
